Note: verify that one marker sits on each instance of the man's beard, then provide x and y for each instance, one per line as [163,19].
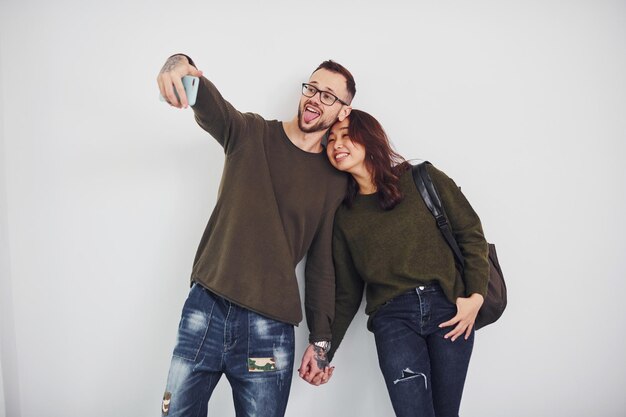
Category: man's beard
[319,125]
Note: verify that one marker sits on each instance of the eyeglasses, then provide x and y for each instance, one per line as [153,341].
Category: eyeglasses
[326,98]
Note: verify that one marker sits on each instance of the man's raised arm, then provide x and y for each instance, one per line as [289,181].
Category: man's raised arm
[170,78]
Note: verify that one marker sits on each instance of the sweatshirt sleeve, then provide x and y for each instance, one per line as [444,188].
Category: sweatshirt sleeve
[319,279]
[217,116]
[467,231]
[348,290]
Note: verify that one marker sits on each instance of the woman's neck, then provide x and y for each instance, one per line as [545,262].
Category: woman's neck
[365,182]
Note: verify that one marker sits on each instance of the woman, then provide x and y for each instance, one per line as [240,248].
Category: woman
[420,310]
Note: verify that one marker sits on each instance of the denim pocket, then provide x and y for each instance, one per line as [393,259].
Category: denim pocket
[194,323]
[442,309]
[270,344]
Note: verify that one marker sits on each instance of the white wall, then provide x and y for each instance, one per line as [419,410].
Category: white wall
[108,190]
[4,270]
[9,386]
[3,412]
[4,255]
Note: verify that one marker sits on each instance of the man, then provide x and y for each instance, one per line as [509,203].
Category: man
[276,203]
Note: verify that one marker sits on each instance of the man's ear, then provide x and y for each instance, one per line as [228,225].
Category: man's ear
[343,113]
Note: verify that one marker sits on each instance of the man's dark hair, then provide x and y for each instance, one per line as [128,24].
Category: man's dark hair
[333,66]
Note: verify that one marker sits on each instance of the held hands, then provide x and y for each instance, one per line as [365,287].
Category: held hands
[467,310]
[170,77]
[315,368]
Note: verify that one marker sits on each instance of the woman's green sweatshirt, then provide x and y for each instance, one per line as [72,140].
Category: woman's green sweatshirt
[391,252]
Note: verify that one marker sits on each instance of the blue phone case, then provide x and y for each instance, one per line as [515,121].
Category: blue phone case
[191,89]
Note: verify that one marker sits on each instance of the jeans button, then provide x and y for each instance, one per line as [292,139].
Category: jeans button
[421,288]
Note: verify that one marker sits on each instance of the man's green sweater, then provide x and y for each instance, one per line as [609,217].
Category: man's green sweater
[275,204]
[391,252]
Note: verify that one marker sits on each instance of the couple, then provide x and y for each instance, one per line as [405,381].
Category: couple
[277,202]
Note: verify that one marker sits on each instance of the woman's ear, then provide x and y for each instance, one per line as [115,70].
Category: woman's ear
[343,113]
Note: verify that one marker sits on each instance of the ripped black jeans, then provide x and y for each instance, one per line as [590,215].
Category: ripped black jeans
[424,372]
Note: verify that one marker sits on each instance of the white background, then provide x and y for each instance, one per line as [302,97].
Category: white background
[105,191]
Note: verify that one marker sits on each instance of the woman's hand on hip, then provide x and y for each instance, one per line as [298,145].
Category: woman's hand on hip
[466,312]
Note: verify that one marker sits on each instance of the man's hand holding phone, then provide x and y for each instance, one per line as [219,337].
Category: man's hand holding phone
[171,84]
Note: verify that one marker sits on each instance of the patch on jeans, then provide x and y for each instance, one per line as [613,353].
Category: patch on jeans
[165,406]
[261,364]
[408,374]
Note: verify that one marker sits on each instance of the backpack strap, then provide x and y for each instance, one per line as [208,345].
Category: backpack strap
[427,190]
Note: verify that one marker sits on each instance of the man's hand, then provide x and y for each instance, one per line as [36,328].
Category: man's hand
[467,310]
[315,368]
[170,77]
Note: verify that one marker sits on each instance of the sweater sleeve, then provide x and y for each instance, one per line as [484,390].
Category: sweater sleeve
[319,279]
[348,290]
[467,230]
[217,116]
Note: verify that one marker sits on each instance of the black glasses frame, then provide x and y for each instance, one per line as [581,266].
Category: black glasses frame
[305,92]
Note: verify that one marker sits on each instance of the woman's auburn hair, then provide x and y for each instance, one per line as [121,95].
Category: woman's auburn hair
[384,164]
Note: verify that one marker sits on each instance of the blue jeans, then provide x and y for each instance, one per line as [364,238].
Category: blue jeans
[217,337]
[424,372]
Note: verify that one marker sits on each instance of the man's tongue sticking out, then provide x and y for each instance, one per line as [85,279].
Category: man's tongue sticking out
[309,115]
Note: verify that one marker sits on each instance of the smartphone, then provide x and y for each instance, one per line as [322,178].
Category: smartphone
[191,89]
